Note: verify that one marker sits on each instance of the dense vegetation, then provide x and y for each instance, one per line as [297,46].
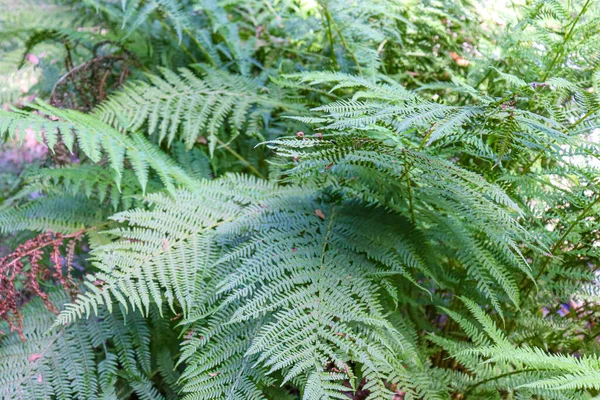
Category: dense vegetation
[300,199]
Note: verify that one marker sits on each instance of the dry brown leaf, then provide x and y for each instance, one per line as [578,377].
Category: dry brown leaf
[462,62]
[320,214]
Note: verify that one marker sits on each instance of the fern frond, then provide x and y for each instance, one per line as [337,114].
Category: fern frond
[62,213]
[93,181]
[61,363]
[431,181]
[93,137]
[189,106]
[161,240]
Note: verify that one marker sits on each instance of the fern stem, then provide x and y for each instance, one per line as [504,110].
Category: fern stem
[331,23]
[530,164]
[325,243]
[330,38]
[488,73]
[242,159]
[182,46]
[408,185]
[586,116]
[566,39]
[231,392]
[321,267]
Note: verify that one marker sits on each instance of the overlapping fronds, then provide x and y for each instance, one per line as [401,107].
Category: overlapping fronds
[414,183]
[384,105]
[91,180]
[526,370]
[311,284]
[95,138]
[429,230]
[321,292]
[62,363]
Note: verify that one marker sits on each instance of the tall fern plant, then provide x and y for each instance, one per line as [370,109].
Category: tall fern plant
[301,200]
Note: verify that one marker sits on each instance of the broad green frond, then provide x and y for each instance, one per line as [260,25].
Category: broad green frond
[412,182]
[319,289]
[163,247]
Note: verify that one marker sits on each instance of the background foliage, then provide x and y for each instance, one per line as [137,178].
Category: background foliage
[299,199]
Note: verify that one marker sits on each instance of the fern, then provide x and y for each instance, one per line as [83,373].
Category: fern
[410,182]
[93,136]
[422,224]
[62,362]
[93,181]
[326,264]
[162,241]
[191,106]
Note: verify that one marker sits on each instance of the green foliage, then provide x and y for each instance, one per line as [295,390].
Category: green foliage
[198,106]
[101,357]
[421,223]
[93,137]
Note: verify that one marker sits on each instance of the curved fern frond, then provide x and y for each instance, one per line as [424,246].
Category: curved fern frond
[313,272]
[95,137]
[93,181]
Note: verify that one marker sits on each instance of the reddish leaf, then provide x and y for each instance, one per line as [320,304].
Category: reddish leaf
[34,357]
